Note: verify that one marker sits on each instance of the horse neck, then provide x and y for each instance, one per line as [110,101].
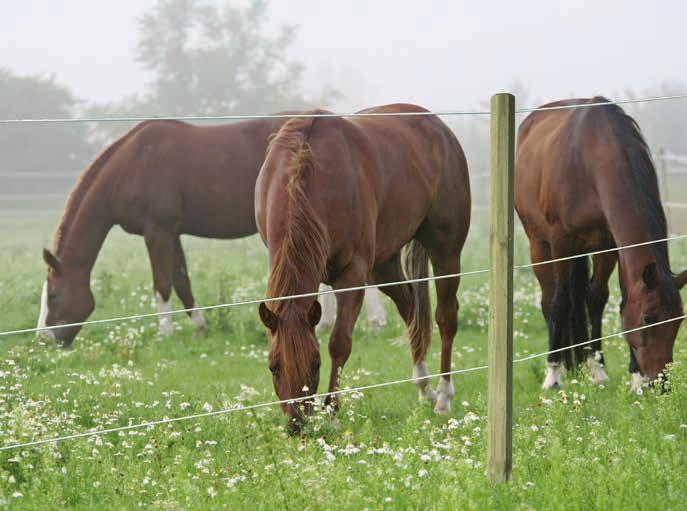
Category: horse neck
[86,235]
[629,225]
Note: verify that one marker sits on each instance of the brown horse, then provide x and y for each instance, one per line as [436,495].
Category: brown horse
[585,181]
[336,201]
[161,179]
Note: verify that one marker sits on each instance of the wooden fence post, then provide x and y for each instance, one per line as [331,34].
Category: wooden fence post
[500,359]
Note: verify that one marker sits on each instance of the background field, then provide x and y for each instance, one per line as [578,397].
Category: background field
[584,447]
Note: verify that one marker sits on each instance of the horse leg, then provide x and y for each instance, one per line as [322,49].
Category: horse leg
[161,251]
[328,302]
[540,251]
[402,296]
[446,316]
[376,317]
[596,303]
[348,305]
[182,286]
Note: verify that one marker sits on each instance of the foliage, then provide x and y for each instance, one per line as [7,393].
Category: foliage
[585,447]
[206,58]
[37,147]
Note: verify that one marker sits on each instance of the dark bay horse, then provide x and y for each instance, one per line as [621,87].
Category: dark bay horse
[585,181]
[337,199]
[161,179]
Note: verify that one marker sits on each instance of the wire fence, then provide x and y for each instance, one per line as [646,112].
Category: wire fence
[323,395]
[441,113]
[255,301]
[237,408]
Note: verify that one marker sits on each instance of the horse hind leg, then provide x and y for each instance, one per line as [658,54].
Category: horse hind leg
[446,316]
[402,296]
[182,286]
[539,252]
[596,303]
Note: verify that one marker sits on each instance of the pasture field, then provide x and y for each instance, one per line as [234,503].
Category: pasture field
[584,447]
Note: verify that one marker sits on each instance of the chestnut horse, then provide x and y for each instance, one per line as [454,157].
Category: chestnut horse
[336,201]
[585,181]
[161,179]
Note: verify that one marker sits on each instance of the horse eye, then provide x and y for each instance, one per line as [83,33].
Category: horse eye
[649,319]
[273,369]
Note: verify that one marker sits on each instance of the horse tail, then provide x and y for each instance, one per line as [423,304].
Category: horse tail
[415,265]
[578,321]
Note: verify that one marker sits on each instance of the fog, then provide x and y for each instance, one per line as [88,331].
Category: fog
[444,55]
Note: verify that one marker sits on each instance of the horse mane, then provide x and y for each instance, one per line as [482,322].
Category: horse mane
[643,172]
[83,184]
[303,251]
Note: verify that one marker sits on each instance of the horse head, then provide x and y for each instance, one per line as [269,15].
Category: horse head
[66,298]
[294,357]
[653,301]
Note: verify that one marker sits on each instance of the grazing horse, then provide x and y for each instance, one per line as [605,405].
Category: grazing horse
[336,201]
[585,181]
[160,180]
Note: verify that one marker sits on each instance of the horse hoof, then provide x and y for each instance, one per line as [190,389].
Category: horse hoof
[443,405]
[427,394]
[554,376]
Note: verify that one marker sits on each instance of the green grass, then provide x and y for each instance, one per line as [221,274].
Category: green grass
[586,447]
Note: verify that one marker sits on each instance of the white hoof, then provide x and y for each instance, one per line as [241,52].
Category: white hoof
[554,376]
[198,320]
[445,393]
[637,382]
[596,369]
[420,378]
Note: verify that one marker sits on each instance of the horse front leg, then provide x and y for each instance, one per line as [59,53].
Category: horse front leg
[348,305]
[161,251]
[182,286]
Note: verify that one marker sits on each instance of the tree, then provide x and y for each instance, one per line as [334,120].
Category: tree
[209,59]
[40,147]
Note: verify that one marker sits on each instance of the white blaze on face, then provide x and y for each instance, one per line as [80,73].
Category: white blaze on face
[166,326]
[43,314]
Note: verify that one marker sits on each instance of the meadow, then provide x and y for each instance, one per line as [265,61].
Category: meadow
[583,447]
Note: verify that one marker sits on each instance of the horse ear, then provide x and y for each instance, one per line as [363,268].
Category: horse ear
[650,276]
[268,318]
[52,261]
[315,313]
[681,279]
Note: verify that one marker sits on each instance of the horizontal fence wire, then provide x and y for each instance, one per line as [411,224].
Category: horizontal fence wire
[324,292]
[241,408]
[49,120]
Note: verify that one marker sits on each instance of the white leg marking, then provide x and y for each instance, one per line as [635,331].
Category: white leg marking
[445,393]
[596,368]
[554,376]
[166,327]
[328,302]
[198,320]
[420,374]
[376,316]
[43,314]
[637,382]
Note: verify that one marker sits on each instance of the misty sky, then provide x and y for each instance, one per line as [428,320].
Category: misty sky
[441,54]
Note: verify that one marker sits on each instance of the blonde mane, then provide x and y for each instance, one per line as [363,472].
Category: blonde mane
[303,252]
